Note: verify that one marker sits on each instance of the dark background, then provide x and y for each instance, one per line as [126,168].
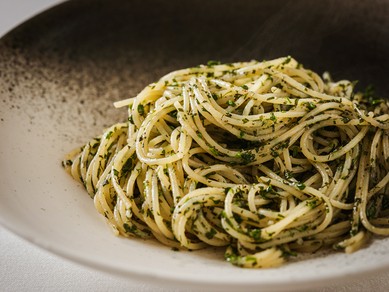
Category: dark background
[137,41]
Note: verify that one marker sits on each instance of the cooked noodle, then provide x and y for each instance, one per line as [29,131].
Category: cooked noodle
[264,158]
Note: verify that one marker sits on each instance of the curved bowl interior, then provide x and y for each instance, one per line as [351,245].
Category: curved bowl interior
[62,70]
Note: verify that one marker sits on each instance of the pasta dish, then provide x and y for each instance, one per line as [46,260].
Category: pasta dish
[266,159]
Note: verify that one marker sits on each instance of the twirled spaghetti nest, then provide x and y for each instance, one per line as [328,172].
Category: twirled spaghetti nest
[265,158]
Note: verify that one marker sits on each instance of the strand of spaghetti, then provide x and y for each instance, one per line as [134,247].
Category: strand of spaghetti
[187,206]
[335,154]
[306,89]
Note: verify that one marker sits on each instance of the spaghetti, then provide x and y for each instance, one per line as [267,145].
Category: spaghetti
[264,158]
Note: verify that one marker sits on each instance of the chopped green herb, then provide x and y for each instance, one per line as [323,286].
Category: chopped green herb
[300,185]
[210,234]
[310,105]
[211,63]
[141,109]
[231,103]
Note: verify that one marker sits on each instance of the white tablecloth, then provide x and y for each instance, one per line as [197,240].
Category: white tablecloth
[24,267]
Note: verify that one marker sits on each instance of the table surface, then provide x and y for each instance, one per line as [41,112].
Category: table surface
[25,267]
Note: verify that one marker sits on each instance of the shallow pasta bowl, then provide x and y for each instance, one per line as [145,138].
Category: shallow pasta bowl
[61,71]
